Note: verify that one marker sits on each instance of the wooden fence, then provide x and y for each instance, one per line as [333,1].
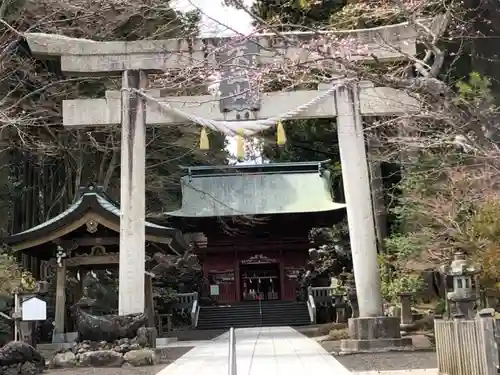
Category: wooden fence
[466,347]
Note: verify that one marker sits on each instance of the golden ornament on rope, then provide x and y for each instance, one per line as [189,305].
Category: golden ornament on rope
[204,142]
[240,140]
[280,134]
[240,145]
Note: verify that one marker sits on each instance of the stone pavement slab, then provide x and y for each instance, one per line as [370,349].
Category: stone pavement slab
[259,351]
[423,371]
[182,344]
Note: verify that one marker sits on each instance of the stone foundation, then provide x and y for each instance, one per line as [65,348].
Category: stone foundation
[133,352]
[374,335]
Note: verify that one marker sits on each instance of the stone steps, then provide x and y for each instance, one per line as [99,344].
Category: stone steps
[242,315]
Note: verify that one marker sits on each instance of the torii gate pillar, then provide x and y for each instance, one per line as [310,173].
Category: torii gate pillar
[132,195]
[372,330]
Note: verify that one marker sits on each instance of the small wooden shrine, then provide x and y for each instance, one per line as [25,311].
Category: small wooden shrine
[86,237]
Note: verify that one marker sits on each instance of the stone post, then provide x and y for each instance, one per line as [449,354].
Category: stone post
[169,322]
[491,297]
[352,298]
[406,313]
[483,303]
[131,298]
[372,329]
[340,306]
[146,337]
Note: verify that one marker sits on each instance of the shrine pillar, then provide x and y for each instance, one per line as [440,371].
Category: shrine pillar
[149,307]
[60,314]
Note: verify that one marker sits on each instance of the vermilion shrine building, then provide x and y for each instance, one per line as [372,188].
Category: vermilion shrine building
[250,224]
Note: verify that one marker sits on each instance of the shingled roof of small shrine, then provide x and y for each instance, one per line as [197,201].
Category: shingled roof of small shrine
[95,200]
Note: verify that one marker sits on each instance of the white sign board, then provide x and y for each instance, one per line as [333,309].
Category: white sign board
[214,290]
[34,309]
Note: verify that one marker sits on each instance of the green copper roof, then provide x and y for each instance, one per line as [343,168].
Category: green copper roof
[106,204]
[93,199]
[55,219]
[256,190]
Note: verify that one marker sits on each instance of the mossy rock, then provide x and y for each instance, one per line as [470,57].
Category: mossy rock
[338,334]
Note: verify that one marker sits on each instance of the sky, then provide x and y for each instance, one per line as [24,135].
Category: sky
[217,17]
[220,20]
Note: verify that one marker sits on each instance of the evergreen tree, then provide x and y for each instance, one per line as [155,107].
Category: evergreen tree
[296,14]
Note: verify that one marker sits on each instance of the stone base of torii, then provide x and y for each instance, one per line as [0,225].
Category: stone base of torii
[372,330]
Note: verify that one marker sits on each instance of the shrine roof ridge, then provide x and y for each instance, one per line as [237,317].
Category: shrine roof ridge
[279,168]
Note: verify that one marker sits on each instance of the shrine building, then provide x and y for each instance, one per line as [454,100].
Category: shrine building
[82,238]
[250,225]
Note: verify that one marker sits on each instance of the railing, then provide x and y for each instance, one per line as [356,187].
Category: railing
[311,305]
[466,347]
[260,311]
[189,301]
[195,313]
[5,316]
[231,365]
[184,299]
[322,294]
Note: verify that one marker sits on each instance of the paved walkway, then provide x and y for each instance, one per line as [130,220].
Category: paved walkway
[424,371]
[260,351]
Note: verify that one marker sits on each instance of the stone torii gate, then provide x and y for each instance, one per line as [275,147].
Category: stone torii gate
[135,59]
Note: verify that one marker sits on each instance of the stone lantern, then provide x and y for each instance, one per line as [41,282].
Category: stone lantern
[464,294]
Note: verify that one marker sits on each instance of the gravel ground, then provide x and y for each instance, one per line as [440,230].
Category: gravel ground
[171,354]
[422,358]
[149,370]
[388,361]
